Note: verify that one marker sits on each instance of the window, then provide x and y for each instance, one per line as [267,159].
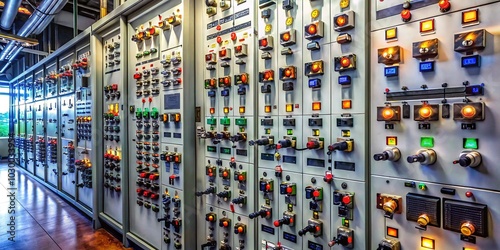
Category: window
[4,111]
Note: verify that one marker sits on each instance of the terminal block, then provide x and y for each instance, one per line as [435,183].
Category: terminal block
[389,154]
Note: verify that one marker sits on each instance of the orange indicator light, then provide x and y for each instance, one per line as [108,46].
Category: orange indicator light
[427,26]
[425,112]
[341,21]
[470,16]
[346,104]
[393,232]
[226,110]
[316,106]
[345,62]
[242,110]
[427,243]
[468,111]
[212,110]
[286,37]
[267,109]
[312,29]
[387,113]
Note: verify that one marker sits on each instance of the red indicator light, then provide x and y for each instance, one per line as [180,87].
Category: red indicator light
[285,37]
[238,48]
[346,199]
[268,187]
[233,36]
[288,72]
[444,5]
[289,190]
[277,223]
[341,20]
[227,80]
[406,15]
[316,193]
[263,42]
[219,39]
[222,53]
[241,177]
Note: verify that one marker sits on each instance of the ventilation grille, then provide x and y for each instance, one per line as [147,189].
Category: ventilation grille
[458,212]
[417,205]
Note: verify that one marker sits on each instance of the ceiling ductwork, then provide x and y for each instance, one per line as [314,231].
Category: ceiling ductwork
[35,24]
[9,13]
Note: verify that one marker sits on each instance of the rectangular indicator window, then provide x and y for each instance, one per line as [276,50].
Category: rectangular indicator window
[267,157]
[427,142]
[393,232]
[314,246]
[474,90]
[391,71]
[226,151]
[426,66]
[267,109]
[212,110]
[267,131]
[471,61]
[267,229]
[316,106]
[346,104]
[346,133]
[391,141]
[391,34]
[212,149]
[289,131]
[289,108]
[470,17]
[242,110]
[314,83]
[290,237]
[471,143]
[289,159]
[427,243]
[212,121]
[344,80]
[315,162]
[241,121]
[427,26]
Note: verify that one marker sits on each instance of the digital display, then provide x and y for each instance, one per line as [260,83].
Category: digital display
[314,83]
[177,135]
[167,134]
[172,101]
[267,157]
[224,92]
[470,61]
[474,90]
[315,162]
[289,159]
[211,93]
[314,246]
[226,151]
[391,71]
[290,237]
[344,80]
[267,229]
[427,66]
[212,149]
[242,152]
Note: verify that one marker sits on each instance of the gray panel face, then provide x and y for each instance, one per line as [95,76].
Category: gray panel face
[113,129]
[414,136]
[51,80]
[51,141]
[67,64]
[39,140]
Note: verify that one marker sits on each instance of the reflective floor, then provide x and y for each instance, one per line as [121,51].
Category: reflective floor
[43,220]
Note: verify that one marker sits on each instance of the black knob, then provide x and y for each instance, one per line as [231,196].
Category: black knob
[261,213]
[239,200]
[465,160]
[381,157]
[285,143]
[309,228]
[340,146]
[224,194]
[415,158]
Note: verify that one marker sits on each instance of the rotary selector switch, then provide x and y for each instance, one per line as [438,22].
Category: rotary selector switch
[424,156]
[469,159]
[389,154]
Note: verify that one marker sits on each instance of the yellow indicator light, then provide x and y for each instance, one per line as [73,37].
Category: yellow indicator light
[391,141]
[242,110]
[289,108]
[468,111]
[315,132]
[346,133]
[387,113]
[391,34]
[289,21]
[316,106]
[268,28]
[212,110]
[226,110]
[393,232]
[177,117]
[346,104]
[267,109]
[471,16]
[427,243]
[468,248]
[315,13]
[425,112]
[267,131]
[427,26]
[344,4]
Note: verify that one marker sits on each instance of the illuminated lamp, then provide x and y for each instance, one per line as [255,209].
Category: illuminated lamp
[233,36]
[391,34]
[312,29]
[316,67]
[393,232]
[286,37]
[316,106]
[222,53]
[427,243]
[289,108]
[267,109]
[226,110]
[468,111]
[425,112]
[467,229]
[427,26]
[470,17]
[263,42]
[212,110]
[341,20]
[345,62]
[346,104]
[388,113]
[242,109]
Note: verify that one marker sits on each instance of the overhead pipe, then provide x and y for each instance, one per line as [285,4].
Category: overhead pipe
[9,13]
[37,21]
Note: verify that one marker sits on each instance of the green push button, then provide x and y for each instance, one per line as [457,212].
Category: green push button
[145,113]
[225,121]
[212,121]
[241,121]
[138,113]
[427,142]
[154,113]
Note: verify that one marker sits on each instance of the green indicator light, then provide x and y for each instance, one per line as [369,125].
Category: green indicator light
[241,121]
[427,142]
[212,121]
[225,121]
[211,149]
[470,143]
[207,83]
[268,131]
[289,131]
[422,186]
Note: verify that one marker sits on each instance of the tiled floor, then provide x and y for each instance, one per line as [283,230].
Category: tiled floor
[46,221]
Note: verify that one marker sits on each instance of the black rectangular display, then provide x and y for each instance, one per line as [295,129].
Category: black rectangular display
[314,246]
[342,165]
[289,122]
[267,157]
[269,230]
[178,135]
[226,151]
[426,66]
[289,159]
[315,162]
[290,237]
[471,61]
[212,149]
[172,101]
[167,134]
[242,152]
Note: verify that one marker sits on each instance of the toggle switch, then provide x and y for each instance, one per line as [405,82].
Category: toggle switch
[424,156]
[314,227]
[389,154]
[288,219]
[264,212]
[469,159]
